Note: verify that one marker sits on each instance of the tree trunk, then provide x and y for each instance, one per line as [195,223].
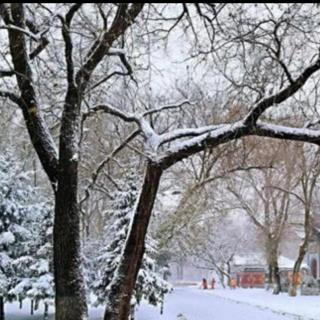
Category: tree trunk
[228,274]
[302,252]
[70,300]
[295,276]
[222,274]
[36,304]
[272,250]
[46,311]
[270,281]
[221,277]
[1,308]
[123,283]
[31,309]
[132,312]
[277,280]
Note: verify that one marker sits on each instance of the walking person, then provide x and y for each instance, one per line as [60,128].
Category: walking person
[204,284]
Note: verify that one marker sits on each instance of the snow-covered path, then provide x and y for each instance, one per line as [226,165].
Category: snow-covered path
[197,304]
[193,303]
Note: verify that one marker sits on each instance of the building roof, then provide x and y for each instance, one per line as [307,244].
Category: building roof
[258,260]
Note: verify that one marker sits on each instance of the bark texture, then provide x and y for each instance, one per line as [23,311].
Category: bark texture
[67,253]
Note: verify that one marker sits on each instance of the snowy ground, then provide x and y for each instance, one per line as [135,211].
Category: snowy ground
[196,304]
[307,307]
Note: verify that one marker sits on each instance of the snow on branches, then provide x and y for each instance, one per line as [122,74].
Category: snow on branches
[25,236]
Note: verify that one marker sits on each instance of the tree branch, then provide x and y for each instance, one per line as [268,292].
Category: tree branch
[290,90]
[37,128]
[168,107]
[113,111]
[103,163]
[286,133]
[123,19]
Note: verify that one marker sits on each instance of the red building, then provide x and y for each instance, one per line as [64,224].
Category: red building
[251,278]
[251,270]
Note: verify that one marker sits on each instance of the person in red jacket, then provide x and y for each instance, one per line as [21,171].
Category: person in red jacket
[204,283]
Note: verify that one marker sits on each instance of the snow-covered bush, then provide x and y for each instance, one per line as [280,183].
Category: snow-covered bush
[25,235]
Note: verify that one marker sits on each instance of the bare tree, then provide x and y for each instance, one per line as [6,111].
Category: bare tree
[309,170]
[214,242]
[269,208]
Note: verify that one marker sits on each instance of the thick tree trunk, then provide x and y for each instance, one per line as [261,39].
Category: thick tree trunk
[1,308]
[70,295]
[272,260]
[302,252]
[122,286]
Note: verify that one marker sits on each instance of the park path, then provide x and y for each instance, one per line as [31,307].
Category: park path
[196,304]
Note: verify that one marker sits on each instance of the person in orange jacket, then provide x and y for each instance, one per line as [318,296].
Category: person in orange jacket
[233,283]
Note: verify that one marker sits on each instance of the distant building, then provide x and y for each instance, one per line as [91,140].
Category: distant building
[251,269]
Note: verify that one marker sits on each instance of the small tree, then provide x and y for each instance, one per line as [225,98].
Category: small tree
[14,196]
[39,262]
[25,248]
[149,284]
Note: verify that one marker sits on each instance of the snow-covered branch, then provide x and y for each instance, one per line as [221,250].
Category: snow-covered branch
[116,51]
[113,111]
[151,136]
[287,133]
[216,136]
[187,132]
[228,132]
[35,37]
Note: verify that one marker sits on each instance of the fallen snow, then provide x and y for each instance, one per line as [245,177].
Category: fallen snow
[7,238]
[219,304]
[307,307]
[197,304]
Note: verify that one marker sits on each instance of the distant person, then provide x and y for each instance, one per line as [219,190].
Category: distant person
[213,283]
[204,284]
[233,283]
